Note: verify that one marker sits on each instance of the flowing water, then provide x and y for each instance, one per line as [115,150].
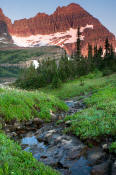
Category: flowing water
[63,152]
[66,153]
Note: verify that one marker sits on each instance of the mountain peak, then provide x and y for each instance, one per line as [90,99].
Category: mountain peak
[73,7]
[59,28]
[41,15]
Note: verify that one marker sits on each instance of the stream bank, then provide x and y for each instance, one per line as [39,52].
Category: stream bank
[66,153]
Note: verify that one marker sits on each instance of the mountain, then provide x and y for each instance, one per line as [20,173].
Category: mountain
[4,34]
[5,37]
[59,29]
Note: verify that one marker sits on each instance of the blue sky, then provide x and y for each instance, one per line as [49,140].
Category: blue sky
[104,10]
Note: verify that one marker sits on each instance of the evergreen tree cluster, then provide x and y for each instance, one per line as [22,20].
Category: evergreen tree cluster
[52,73]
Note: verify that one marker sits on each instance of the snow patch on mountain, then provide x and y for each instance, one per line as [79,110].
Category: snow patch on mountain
[86,27]
[59,38]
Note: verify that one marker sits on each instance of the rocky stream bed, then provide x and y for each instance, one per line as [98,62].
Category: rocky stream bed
[66,153]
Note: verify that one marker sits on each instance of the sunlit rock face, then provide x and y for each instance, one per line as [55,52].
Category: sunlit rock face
[4,29]
[59,29]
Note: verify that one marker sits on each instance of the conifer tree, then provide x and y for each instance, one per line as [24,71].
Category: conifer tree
[56,82]
[107,47]
[100,52]
[90,58]
[111,51]
[95,51]
[99,60]
[90,55]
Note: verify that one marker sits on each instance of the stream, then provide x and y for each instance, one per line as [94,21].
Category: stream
[65,153]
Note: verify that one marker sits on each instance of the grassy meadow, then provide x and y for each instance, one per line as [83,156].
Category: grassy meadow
[23,105]
[91,83]
[96,122]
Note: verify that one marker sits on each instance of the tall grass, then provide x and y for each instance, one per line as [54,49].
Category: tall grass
[25,105]
[98,120]
[74,88]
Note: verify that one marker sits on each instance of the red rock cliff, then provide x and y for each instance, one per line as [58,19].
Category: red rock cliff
[62,20]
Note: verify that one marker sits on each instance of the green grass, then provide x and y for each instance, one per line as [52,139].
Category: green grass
[99,119]
[113,147]
[92,124]
[14,161]
[74,88]
[25,105]
[104,99]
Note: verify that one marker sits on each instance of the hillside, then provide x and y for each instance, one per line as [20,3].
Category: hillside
[15,56]
[13,60]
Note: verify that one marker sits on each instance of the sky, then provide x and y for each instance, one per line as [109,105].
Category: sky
[104,10]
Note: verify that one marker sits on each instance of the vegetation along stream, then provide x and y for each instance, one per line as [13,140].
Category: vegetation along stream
[49,144]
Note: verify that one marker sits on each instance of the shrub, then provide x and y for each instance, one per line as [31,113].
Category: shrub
[113,147]
[56,82]
[107,72]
